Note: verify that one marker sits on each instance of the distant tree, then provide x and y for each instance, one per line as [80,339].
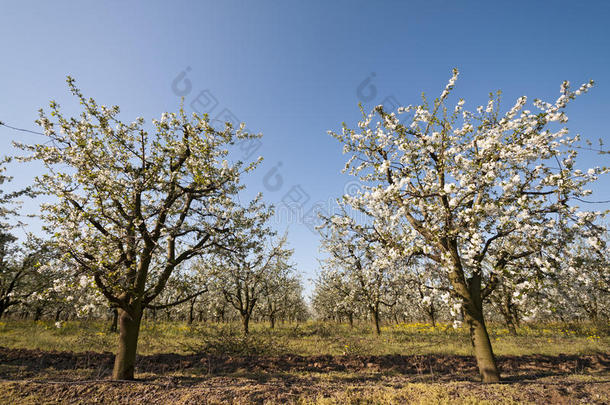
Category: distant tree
[578,286]
[20,270]
[184,287]
[424,289]
[354,252]
[60,289]
[282,292]
[19,263]
[334,298]
[8,200]
[243,272]
[293,304]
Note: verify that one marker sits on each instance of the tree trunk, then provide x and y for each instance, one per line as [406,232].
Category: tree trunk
[473,315]
[510,322]
[432,313]
[191,309]
[245,318]
[350,317]
[506,309]
[115,320]
[482,347]
[272,321]
[129,329]
[376,318]
[516,316]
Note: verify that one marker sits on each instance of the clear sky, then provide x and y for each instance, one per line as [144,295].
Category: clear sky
[295,69]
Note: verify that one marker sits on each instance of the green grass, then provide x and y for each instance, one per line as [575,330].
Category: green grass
[311,338]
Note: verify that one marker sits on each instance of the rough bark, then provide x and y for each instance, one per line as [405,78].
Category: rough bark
[129,329]
[115,320]
[506,307]
[246,323]
[473,316]
[509,321]
[432,314]
[191,312]
[375,312]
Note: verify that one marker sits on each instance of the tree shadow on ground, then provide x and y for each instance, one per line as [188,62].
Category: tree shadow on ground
[23,363]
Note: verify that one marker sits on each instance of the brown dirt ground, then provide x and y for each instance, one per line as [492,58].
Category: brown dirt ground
[35,376]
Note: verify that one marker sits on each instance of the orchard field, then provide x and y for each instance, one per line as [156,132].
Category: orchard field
[455,250]
[462,258]
[310,362]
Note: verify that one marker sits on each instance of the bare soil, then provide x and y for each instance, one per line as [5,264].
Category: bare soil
[36,376]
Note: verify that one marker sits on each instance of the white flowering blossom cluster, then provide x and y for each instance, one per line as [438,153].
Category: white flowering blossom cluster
[134,203]
[255,273]
[575,284]
[473,192]
[356,263]
[365,274]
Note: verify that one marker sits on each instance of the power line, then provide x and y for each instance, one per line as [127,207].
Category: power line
[592,202]
[21,129]
[600,151]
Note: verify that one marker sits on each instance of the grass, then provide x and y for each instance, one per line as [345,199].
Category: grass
[311,338]
[47,377]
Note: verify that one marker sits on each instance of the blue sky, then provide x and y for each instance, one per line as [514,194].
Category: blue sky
[292,70]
